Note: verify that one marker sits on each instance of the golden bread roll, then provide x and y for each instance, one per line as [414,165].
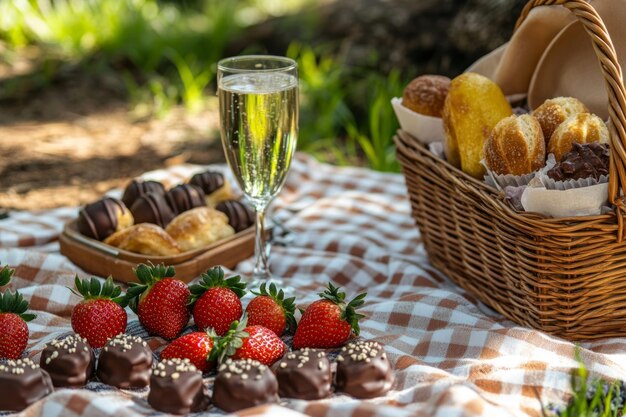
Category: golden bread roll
[472,108]
[516,146]
[426,94]
[144,238]
[553,112]
[199,227]
[579,128]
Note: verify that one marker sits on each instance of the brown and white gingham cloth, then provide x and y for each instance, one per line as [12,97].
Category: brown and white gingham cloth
[452,356]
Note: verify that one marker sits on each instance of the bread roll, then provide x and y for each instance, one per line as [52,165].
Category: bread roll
[516,146]
[426,94]
[474,105]
[199,227]
[579,128]
[144,238]
[553,112]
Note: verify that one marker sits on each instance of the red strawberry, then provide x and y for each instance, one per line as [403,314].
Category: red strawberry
[249,342]
[194,346]
[216,301]
[271,310]
[101,315]
[13,318]
[159,300]
[328,323]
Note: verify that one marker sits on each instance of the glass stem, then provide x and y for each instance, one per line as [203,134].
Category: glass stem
[261,269]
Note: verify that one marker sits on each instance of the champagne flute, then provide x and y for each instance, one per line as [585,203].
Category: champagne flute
[258,98]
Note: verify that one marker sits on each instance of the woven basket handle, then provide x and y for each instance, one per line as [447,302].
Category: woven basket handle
[594,26]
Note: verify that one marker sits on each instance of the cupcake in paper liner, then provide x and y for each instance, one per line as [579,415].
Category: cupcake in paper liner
[419,110]
[575,186]
[514,151]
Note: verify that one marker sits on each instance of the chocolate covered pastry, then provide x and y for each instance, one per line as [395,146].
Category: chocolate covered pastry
[69,361]
[176,387]
[216,188]
[184,197]
[304,374]
[22,382]
[240,216]
[152,208]
[101,219]
[363,370]
[125,362]
[242,384]
[136,189]
[589,160]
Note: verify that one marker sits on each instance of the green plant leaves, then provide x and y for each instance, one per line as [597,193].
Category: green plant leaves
[214,278]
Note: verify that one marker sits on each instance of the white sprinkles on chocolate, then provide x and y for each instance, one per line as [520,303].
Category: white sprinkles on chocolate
[361,351]
[17,367]
[125,341]
[242,368]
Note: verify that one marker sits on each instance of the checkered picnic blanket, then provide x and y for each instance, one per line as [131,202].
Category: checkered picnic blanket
[452,356]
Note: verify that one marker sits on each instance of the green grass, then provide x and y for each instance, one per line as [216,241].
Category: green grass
[590,398]
[165,54]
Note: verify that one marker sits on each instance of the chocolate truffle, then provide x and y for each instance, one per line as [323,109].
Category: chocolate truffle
[363,370]
[125,362]
[136,189]
[22,382]
[176,387]
[214,185]
[101,219]
[184,197]
[152,208]
[69,361]
[304,374]
[242,384]
[589,160]
[240,216]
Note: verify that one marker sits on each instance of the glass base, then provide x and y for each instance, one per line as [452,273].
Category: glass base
[264,276]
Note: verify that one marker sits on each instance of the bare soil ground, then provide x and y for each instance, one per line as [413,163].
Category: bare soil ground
[70,142]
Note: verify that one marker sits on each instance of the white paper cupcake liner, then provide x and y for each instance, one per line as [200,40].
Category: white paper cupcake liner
[501,181]
[570,198]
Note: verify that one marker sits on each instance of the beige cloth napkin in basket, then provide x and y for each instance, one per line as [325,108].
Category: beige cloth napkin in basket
[550,55]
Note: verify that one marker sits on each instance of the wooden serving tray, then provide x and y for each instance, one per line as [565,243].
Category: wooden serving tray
[103,260]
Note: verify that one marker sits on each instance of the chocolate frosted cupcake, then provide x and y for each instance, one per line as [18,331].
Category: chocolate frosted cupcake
[304,374]
[22,383]
[125,362]
[240,216]
[152,208]
[136,189]
[69,361]
[242,384]
[176,387]
[588,160]
[101,219]
[363,370]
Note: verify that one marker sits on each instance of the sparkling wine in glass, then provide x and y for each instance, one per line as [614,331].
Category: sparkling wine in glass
[258,98]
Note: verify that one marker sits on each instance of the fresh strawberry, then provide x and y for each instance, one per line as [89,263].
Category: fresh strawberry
[101,315]
[13,318]
[159,300]
[328,323]
[216,301]
[249,342]
[194,346]
[272,310]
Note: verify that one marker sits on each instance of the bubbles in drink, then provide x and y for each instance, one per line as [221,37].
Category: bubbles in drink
[259,113]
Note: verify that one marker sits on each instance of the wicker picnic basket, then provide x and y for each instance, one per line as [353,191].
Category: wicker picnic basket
[564,276]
